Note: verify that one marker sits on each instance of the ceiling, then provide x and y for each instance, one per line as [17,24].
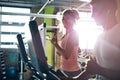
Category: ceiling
[81,5]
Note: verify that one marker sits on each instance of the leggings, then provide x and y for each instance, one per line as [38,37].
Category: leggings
[73,73]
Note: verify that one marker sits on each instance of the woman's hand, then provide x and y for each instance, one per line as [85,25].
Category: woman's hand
[54,40]
[79,50]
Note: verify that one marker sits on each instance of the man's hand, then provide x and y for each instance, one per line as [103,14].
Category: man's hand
[92,66]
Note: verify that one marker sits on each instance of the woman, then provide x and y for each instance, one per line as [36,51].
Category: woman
[69,46]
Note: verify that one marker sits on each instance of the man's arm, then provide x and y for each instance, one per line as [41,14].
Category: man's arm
[110,74]
[93,68]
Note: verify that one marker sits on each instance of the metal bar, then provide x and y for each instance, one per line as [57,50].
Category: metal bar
[31,14]
[41,9]
[11,24]
[44,37]
[82,5]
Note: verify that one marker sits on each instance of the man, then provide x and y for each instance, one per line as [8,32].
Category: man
[107,49]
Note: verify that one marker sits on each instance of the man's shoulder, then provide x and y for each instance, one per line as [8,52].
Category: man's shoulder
[116,27]
[113,32]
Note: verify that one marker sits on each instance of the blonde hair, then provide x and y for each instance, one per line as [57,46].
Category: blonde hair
[72,14]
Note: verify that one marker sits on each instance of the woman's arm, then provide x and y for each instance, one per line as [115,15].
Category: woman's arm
[71,43]
[60,51]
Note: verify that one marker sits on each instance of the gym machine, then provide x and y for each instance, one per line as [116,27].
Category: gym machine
[46,72]
[40,54]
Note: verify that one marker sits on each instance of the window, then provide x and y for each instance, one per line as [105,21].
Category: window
[11,25]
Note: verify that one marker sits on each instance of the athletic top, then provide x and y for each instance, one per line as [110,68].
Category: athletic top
[70,64]
[107,49]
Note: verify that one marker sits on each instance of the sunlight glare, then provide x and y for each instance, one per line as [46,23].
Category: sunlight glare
[88,33]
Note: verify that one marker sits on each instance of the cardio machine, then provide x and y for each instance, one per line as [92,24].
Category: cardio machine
[46,71]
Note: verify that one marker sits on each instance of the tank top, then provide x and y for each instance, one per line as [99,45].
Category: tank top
[70,64]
